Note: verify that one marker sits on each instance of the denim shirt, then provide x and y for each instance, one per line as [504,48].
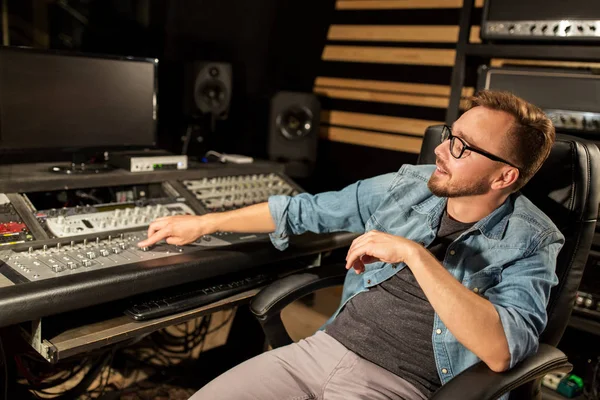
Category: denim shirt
[509,257]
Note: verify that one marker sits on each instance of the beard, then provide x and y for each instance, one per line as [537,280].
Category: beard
[444,187]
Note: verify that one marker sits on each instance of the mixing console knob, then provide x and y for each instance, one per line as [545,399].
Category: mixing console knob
[72,265]
[145,248]
[123,246]
[116,250]
[67,229]
[91,255]
[58,245]
[103,225]
[60,220]
[45,248]
[104,252]
[86,263]
[84,242]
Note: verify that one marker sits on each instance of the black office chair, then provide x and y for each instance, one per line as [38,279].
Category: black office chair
[567,189]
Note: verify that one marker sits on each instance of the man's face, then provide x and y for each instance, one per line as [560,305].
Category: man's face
[472,174]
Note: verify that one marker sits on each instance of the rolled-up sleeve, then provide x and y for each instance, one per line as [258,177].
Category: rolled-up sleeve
[344,210]
[522,296]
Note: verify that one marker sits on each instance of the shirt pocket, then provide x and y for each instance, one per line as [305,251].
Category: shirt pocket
[481,281]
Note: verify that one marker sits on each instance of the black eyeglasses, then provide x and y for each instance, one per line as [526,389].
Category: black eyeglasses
[458,147]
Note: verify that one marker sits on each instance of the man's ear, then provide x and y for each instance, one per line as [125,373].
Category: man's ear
[506,179]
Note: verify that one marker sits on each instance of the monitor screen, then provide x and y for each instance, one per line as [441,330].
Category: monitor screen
[51,100]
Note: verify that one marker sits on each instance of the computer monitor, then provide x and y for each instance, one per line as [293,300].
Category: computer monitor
[69,102]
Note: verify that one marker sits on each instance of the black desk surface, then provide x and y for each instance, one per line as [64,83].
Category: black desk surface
[30,300]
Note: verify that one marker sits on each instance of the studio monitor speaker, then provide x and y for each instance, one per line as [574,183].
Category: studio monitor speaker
[294,132]
[208,88]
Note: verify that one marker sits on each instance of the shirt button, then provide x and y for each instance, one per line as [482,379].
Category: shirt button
[369,282]
[444,371]
[452,252]
[438,331]
[476,290]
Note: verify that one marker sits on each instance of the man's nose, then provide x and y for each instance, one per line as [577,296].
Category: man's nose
[441,149]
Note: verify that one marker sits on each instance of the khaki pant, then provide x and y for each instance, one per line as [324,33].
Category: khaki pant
[316,368]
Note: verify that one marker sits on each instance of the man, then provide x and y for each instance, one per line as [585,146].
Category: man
[454,266]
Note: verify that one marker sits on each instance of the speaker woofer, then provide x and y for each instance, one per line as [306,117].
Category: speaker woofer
[211,96]
[295,122]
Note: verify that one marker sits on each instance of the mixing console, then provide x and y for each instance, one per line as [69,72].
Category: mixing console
[12,228]
[84,237]
[116,209]
[97,220]
[230,192]
[37,263]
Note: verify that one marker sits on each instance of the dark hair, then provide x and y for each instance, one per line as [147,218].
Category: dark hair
[531,136]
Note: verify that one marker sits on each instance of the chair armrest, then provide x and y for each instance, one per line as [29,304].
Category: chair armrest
[268,303]
[480,383]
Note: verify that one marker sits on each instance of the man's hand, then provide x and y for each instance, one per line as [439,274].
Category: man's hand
[177,230]
[378,246]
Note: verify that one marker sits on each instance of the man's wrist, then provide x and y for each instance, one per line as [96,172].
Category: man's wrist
[416,255]
[213,221]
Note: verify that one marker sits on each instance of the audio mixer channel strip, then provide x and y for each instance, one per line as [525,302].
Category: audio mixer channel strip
[99,228]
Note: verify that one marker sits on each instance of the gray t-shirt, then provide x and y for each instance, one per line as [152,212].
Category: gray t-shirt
[391,324]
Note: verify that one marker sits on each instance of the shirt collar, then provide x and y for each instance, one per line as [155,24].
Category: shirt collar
[491,226]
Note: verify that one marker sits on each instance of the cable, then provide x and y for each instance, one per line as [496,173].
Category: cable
[222,324]
[213,153]
[4,363]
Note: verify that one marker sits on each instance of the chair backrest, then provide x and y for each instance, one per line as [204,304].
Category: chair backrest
[566,189]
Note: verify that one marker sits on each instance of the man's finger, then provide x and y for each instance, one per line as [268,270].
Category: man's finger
[359,241]
[161,234]
[155,226]
[367,259]
[354,254]
[359,266]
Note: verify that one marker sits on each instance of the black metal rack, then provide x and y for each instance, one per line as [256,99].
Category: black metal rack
[467,53]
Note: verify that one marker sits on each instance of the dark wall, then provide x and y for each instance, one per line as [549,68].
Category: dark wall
[272,45]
